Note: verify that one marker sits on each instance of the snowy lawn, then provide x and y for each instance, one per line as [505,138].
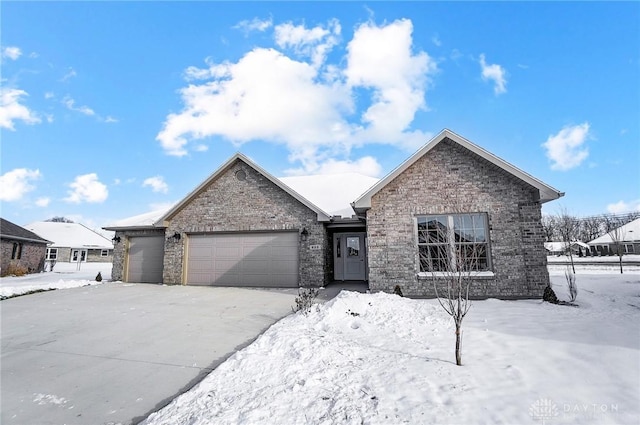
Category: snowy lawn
[382,359]
[64,275]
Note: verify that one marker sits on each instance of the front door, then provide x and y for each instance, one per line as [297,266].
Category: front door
[78,255]
[349,256]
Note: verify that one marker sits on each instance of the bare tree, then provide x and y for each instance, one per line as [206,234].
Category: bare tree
[549,227]
[568,227]
[572,286]
[615,230]
[60,220]
[452,249]
[590,228]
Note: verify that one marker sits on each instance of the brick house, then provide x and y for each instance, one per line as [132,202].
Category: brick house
[244,227]
[21,249]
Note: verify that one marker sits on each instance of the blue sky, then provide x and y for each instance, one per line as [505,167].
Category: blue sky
[112,109]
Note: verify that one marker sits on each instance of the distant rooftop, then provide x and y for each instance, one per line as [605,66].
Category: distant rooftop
[71,235]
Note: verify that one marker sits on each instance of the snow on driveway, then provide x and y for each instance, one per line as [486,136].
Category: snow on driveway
[382,359]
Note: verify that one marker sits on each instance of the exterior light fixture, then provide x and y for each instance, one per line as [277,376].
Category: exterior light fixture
[176,236]
[116,239]
[304,234]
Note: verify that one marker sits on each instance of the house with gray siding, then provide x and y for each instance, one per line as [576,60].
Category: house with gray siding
[244,227]
[73,242]
[626,239]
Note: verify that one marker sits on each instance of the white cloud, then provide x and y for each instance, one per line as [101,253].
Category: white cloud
[265,95]
[49,95]
[70,74]
[303,102]
[16,183]
[87,188]
[436,40]
[495,73]
[566,148]
[110,119]
[11,52]
[156,183]
[43,202]
[624,207]
[367,166]
[314,43]
[256,24]
[380,58]
[11,109]
[70,104]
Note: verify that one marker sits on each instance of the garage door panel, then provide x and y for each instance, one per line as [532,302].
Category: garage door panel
[246,259]
[145,259]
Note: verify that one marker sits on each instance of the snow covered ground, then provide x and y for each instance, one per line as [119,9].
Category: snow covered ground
[605,260]
[64,275]
[382,359]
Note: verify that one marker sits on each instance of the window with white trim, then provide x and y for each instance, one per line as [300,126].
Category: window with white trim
[453,242]
[52,254]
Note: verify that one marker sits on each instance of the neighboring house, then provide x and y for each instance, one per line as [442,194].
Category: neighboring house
[626,238]
[73,242]
[22,250]
[244,227]
[560,248]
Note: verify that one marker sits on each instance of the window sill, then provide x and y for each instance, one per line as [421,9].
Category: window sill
[437,275]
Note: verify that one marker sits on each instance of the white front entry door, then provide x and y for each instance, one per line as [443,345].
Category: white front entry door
[79,255]
[349,256]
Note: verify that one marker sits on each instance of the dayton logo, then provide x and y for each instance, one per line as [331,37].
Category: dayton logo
[543,409]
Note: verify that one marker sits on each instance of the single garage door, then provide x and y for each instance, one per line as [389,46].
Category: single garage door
[243,259]
[146,258]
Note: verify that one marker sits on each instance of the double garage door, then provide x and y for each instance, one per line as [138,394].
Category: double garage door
[243,259]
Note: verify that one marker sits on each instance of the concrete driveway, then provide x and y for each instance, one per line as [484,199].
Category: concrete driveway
[114,353]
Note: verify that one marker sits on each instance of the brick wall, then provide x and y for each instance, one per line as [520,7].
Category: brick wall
[252,204]
[32,257]
[452,179]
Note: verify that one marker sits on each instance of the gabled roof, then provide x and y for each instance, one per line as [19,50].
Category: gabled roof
[70,235]
[140,221]
[331,192]
[9,230]
[628,232]
[547,193]
[322,215]
[562,246]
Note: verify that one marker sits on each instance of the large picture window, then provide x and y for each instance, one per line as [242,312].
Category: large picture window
[453,242]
